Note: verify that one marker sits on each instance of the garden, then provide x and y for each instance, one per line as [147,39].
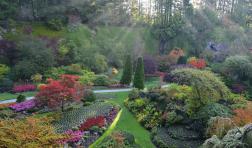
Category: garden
[126,74]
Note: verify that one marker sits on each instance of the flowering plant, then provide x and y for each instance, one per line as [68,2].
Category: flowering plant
[23,105]
[71,136]
[197,63]
[90,122]
[24,88]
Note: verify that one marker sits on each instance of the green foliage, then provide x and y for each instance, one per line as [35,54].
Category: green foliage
[3,71]
[101,80]
[145,113]
[55,24]
[98,63]
[127,71]
[119,139]
[20,98]
[134,94]
[239,66]
[6,84]
[89,96]
[206,86]
[35,57]
[87,77]
[139,74]
[177,92]
[182,60]
[173,117]
[213,110]
[8,9]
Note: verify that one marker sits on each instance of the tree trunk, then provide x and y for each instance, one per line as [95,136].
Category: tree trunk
[162,46]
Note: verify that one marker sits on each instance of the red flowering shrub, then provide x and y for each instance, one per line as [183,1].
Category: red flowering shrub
[24,88]
[59,92]
[197,63]
[90,122]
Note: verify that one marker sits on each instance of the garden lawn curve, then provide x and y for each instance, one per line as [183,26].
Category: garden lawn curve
[128,122]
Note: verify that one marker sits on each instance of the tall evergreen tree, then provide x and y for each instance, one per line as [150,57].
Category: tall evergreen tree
[127,71]
[139,74]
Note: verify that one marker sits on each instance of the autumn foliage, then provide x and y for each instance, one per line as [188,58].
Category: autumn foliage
[197,63]
[90,122]
[243,116]
[28,133]
[59,92]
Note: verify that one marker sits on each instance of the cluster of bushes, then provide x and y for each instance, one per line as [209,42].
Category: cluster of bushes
[120,139]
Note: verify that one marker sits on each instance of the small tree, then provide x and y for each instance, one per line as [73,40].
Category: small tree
[127,71]
[59,92]
[139,74]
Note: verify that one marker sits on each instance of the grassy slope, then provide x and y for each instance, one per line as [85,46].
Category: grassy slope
[8,96]
[128,122]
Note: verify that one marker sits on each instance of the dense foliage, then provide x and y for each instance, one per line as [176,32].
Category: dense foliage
[30,132]
[127,71]
[139,74]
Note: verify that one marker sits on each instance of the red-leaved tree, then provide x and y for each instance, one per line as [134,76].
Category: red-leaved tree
[59,92]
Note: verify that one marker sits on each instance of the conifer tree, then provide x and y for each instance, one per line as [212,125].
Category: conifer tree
[139,74]
[127,71]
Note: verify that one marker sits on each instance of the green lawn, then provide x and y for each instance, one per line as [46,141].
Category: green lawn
[152,82]
[128,122]
[8,96]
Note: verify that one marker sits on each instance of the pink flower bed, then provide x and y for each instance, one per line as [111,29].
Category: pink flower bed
[24,88]
[23,105]
[72,136]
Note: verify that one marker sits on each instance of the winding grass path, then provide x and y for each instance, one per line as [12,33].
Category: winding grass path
[127,122]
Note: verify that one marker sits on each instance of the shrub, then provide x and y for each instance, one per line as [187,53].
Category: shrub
[28,133]
[36,78]
[238,66]
[87,77]
[173,117]
[102,80]
[182,60]
[119,139]
[20,98]
[55,24]
[24,88]
[134,94]
[206,86]
[6,85]
[219,126]
[139,74]
[213,110]
[197,63]
[3,70]
[94,121]
[59,92]
[127,71]
[243,116]
[71,136]
[89,96]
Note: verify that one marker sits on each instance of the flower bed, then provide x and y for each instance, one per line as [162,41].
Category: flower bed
[94,121]
[24,88]
[26,105]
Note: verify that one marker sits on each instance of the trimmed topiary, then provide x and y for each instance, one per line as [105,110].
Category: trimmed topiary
[20,98]
[139,74]
[127,71]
